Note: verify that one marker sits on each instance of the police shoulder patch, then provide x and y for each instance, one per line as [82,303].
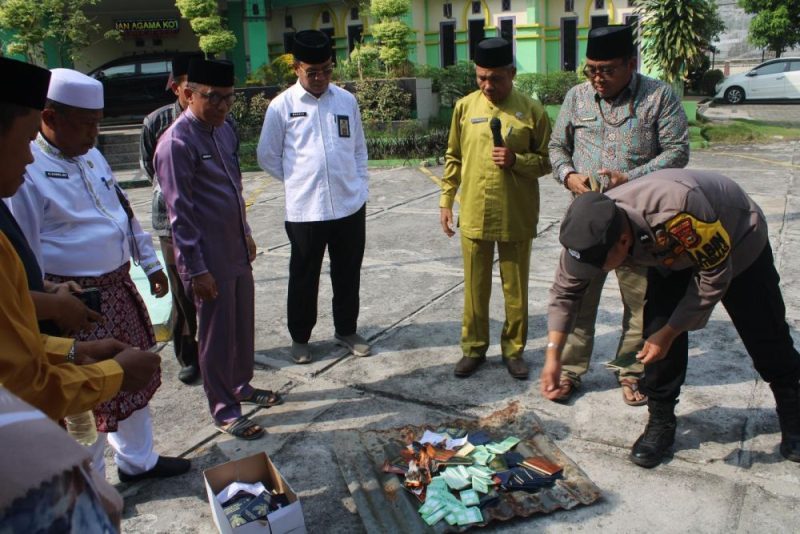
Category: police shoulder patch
[707,243]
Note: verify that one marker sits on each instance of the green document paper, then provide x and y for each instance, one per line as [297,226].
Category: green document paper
[623,361]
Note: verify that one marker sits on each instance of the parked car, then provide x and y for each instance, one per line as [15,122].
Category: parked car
[135,85]
[773,79]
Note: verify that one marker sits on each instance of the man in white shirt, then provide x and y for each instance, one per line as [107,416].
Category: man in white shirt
[81,228]
[313,141]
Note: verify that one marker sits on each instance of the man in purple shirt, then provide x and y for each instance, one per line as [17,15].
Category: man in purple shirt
[198,169]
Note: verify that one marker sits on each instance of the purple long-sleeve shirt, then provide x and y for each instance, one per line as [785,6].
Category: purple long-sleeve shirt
[198,169]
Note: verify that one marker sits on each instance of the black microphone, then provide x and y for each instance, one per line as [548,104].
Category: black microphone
[494,124]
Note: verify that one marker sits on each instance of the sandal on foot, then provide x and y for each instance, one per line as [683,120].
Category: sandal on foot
[630,387]
[571,387]
[263,397]
[242,428]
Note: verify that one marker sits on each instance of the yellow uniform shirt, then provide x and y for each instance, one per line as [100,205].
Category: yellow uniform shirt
[496,204]
[33,366]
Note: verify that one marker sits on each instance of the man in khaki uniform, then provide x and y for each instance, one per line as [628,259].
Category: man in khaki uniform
[703,240]
[496,166]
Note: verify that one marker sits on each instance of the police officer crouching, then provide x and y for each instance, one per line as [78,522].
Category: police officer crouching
[703,240]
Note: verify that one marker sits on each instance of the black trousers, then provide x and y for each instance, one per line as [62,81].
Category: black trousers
[184,314]
[344,239]
[755,305]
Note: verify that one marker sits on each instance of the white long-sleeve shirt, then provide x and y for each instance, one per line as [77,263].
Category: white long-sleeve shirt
[316,147]
[71,215]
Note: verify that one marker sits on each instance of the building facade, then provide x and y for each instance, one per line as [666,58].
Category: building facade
[548,35]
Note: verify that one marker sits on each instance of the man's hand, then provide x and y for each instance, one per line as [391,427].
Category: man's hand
[138,367]
[550,378]
[98,350]
[159,286]
[251,249]
[615,178]
[204,286]
[503,157]
[577,183]
[656,346]
[72,315]
[446,220]
[70,286]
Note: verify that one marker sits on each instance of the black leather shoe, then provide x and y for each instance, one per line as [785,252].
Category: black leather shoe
[787,404]
[516,367]
[189,374]
[659,435]
[165,467]
[466,366]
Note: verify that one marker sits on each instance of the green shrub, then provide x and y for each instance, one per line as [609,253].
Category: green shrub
[364,62]
[249,113]
[280,72]
[382,101]
[452,82]
[408,144]
[549,88]
[710,80]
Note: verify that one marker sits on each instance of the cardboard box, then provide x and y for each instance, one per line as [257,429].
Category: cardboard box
[256,468]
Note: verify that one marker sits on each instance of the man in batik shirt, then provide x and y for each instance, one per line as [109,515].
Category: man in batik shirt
[616,127]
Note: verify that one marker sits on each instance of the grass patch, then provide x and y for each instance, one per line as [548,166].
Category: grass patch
[741,131]
[690,107]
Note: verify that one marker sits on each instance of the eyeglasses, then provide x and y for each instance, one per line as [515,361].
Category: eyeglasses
[217,99]
[604,72]
[313,74]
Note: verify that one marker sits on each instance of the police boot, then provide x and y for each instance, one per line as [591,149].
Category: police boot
[787,402]
[658,437]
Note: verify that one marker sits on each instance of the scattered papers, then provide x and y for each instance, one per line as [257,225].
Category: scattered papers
[432,437]
[233,489]
[454,475]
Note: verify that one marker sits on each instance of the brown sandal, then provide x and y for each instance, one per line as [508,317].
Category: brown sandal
[564,397]
[631,385]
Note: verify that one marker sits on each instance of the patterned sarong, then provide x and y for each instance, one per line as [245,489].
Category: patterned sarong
[125,319]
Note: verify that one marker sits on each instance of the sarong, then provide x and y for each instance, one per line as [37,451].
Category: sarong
[125,319]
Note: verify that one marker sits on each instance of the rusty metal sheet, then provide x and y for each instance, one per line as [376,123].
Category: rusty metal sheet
[385,506]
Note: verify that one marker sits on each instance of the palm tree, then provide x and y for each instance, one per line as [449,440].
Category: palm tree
[676,34]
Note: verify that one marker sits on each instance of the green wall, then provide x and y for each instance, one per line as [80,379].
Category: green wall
[238,55]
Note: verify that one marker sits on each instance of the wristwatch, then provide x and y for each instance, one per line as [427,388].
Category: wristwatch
[71,353]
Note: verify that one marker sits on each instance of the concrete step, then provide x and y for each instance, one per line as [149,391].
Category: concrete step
[116,160]
[120,146]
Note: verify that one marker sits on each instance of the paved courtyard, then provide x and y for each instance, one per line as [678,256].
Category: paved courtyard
[726,474]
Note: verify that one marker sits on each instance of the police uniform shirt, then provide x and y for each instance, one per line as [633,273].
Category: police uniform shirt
[681,219]
[69,210]
[316,147]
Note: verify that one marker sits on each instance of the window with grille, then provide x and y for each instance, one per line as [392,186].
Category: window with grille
[447,10]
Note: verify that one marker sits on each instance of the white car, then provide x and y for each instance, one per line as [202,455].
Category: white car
[776,78]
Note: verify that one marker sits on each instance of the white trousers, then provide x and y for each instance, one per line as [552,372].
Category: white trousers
[132,444]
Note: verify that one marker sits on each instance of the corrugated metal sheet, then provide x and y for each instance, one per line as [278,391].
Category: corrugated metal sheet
[385,506]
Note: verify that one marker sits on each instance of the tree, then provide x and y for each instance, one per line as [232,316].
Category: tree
[62,21]
[676,34]
[776,25]
[390,32]
[205,21]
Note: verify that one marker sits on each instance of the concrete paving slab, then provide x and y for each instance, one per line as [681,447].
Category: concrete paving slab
[726,474]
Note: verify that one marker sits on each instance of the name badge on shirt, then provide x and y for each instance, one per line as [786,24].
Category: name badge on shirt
[58,175]
[206,156]
[343,121]
[294,114]
[478,120]
[588,119]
